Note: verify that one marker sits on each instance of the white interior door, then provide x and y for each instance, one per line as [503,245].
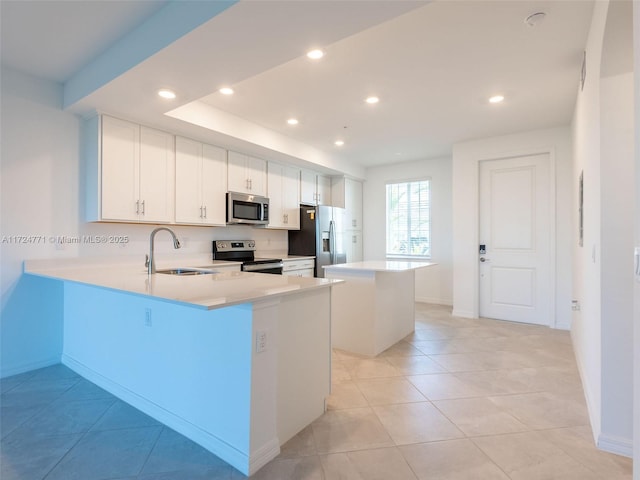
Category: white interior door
[516,228]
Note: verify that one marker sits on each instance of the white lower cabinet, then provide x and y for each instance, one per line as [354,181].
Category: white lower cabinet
[201,174]
[298,267]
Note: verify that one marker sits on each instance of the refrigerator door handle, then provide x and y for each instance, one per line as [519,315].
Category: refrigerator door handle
[332,234]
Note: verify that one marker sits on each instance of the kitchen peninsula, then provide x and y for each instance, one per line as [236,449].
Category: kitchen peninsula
[224,358]
[375,307]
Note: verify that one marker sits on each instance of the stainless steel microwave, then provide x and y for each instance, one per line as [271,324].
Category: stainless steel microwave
[247,209]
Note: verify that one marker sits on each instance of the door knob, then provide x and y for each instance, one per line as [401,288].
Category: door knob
[482,259]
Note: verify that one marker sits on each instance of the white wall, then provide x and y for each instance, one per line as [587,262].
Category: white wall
[41,192]
[617,211]
[636,336]
[466,158]
[602,331]
[585,327]
[433,284]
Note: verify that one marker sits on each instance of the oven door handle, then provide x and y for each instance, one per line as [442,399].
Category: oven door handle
[261,266]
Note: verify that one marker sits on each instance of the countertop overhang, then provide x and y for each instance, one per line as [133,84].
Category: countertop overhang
[211,291]
[378,266]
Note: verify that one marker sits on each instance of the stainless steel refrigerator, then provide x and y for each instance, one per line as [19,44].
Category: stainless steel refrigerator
[321,235]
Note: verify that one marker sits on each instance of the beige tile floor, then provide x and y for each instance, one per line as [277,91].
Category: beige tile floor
[457,399]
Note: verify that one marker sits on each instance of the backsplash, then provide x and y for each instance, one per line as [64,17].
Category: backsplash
[133,239]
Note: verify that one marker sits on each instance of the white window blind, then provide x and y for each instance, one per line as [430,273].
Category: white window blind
[409,219]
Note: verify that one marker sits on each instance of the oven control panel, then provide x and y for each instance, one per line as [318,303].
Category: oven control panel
[233,245]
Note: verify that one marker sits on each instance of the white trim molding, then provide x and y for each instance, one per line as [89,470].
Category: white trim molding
[617,445]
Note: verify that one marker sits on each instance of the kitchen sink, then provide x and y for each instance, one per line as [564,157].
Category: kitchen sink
[185,271]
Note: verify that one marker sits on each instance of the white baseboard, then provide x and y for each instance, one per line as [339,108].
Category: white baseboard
[238,459]
[27,367]
[562,326]
[435,300]
[264,455]
[463,314]
[617,445]
[593,409]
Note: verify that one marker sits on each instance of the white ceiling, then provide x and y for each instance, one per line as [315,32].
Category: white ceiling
[55,39]
[433,65]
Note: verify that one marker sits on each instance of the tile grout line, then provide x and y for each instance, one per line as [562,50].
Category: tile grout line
[151,451]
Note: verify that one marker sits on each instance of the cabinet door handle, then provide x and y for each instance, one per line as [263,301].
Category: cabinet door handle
[137,207]
[142,207]
[200,211]
[205,211]
[250,184]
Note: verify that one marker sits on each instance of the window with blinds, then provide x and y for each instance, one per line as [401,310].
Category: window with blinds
[409,219]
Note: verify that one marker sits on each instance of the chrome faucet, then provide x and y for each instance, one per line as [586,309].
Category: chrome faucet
[150,262]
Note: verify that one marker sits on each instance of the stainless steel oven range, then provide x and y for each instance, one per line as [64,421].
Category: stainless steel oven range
[244,251]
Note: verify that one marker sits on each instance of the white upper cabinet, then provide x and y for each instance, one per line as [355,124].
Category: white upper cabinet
[283,187]
[347,193]
[201,173]
[323,190]
[315,189]
[134,173]
[157,157]
[308,187]
[247,174]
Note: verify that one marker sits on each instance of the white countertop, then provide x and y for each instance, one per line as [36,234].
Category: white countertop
[377,266]
[204,291]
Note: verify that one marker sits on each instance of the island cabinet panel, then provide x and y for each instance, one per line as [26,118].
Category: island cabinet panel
[375,307]
[168,362]
[201,183]
[202,371]
[304,351]
[130,172]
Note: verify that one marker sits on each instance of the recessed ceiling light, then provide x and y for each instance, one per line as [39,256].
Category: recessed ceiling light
[226,91]
[372,100]
[315,54]
[339,143]
[496,99]
[292,121]
[168,94]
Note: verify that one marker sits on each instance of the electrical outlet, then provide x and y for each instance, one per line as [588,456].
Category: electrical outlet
[147,318]
[261,341]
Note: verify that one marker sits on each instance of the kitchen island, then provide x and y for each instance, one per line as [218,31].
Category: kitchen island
[375,307]
[224,358]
